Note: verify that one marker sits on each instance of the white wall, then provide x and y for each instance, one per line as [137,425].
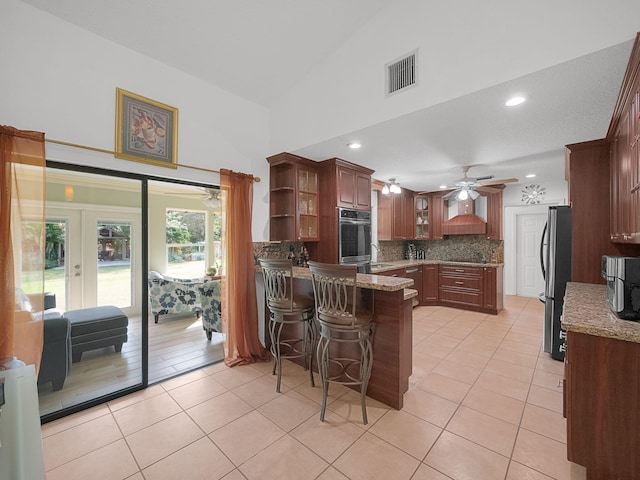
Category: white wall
[556,193]
[461,50]
[61,80]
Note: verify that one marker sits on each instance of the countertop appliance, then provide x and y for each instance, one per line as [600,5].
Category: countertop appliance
[354,238]
[555,261]
[623,285]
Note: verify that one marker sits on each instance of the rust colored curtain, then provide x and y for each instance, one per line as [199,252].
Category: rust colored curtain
[242,343]
[22,225]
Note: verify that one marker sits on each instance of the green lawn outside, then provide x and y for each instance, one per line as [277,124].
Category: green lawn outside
[113,282]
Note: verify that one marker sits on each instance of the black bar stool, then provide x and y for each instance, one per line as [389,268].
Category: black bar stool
[286,307]
[334,288]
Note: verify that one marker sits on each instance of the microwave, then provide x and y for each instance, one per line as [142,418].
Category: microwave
[622,275]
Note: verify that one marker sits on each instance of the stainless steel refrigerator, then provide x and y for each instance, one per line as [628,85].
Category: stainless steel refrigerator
[555,260]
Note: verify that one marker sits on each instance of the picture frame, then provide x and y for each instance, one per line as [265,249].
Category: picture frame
[146,130]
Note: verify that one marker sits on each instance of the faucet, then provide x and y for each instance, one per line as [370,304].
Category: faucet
[376,247]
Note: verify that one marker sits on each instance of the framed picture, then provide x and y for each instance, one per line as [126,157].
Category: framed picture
[146,130]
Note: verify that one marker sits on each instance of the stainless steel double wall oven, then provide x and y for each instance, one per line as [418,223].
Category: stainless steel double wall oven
[354,238]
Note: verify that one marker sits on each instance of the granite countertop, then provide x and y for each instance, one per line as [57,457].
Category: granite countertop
[363,280]
[586,311]
[380,266]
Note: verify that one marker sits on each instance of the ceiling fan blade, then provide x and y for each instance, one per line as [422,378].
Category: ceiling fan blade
[450,194]
[498,181]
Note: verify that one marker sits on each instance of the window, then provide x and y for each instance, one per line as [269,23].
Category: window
[186,237]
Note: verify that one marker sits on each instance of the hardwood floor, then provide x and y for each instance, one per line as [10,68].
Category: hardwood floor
[177,344]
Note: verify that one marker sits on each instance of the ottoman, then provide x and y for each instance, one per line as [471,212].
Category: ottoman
[96,327]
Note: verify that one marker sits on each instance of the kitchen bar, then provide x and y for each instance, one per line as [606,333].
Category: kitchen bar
[390,300]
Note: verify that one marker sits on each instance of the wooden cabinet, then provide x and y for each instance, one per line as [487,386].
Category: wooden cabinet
[492,294]
[624,137]
[471,288]
[430,285]
[587,173]
[341,185]
[461,286]
[436,210]
[402,227]
[354,186]
[293,198]
[407,216]
[601,398]
[421,217]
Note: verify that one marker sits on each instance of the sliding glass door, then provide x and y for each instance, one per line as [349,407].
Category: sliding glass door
[93,259]
[105,231]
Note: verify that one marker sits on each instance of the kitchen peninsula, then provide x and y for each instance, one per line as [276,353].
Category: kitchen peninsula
[390,300]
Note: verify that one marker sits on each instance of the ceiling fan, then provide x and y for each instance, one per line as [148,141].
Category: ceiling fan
[210,196]
[470,187]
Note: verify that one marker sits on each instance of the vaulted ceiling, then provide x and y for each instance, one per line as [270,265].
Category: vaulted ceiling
[257,50]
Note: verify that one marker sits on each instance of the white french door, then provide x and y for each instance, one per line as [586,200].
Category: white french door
[92,278]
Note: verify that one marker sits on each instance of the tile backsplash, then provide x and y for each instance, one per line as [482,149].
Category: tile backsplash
[463,248]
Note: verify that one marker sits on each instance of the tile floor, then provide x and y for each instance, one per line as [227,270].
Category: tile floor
[484,403]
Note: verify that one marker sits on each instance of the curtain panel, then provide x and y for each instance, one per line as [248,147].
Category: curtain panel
[242,341]
[22,243]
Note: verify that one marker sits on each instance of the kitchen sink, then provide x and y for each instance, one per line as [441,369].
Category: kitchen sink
[381,265]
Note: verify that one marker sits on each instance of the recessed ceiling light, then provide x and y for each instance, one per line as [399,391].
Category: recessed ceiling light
[354,145]
[513,101]
[443,186]
[531,175]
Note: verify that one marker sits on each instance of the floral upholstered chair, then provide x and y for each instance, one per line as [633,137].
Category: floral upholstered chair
[210,299]
[173,295]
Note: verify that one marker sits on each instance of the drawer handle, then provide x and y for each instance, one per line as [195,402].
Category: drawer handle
[459,270]
[411,270]
[459,283]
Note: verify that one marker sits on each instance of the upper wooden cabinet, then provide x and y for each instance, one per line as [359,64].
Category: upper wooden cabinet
[421,218]
[408,216]
[624,137]
[293,198]
[352,183]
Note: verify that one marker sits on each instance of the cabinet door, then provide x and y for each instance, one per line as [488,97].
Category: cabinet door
[436,217]
[346,187]
[363,191]
[415,273]
[385,217]
[403,216]
[489,292]
[430,287]
[421,217]
[635,168]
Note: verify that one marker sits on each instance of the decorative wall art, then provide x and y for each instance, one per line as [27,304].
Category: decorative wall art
[533,194]
[146,130]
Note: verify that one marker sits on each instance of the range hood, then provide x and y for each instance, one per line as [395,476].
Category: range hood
[466,222]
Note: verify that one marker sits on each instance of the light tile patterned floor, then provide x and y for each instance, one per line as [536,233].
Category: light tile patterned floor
[484,403]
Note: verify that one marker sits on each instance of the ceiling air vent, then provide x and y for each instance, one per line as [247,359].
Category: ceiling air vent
[402,73]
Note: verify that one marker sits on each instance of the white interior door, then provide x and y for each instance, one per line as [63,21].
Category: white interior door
[529,280]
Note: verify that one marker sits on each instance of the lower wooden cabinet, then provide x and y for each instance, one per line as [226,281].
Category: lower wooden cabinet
[430,285]
[467,287]
[601,399]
